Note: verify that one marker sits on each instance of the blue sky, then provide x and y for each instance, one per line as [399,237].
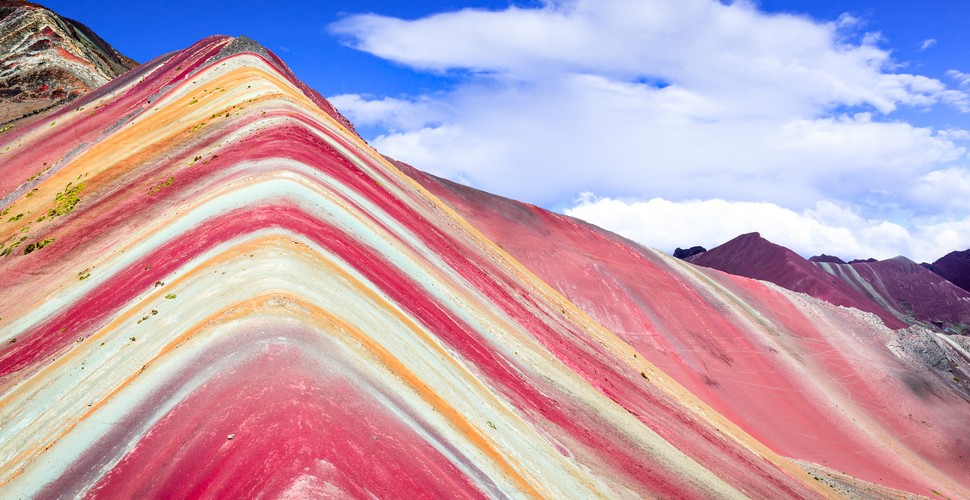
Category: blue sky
[837,127]
[295,30]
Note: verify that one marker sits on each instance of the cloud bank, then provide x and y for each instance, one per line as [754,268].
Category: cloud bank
[826,228]
[676,100]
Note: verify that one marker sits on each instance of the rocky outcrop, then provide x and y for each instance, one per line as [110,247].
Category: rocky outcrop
[826,258]
[683,254]
[47,60]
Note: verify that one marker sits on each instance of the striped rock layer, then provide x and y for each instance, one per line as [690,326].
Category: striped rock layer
[907,290]
[828,385]
[211,286]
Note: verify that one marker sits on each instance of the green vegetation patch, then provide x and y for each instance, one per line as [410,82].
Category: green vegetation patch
[37,245]
[161,185]
[7,251]
[66,200]
[40,172]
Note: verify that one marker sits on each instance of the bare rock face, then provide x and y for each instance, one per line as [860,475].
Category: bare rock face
[686,254]
[47,60]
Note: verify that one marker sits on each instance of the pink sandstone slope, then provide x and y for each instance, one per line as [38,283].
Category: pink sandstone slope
[752,256]
[810,381]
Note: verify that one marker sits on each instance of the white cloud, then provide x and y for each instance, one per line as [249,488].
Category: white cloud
[962,79]
[929,42]
[550,140]
[666,99]
[847,20]
[946,189]
[388,112]
[826,228]
[699,44]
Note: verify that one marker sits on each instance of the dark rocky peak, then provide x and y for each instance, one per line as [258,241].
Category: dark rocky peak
[681,253]
[826,258]
[746,250]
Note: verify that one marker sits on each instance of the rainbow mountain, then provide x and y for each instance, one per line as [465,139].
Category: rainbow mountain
[211,286]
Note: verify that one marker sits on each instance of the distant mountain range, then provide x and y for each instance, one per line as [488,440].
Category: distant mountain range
[897,290]
[211,286]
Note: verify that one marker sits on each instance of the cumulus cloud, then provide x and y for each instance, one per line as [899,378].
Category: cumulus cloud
[661,99]
[719,50]
[825,228]
[929,42]
[646,146]
[390,113]
[947,189]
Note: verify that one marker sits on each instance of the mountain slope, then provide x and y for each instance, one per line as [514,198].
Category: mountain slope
[955,268]
[47,60]
[795,373]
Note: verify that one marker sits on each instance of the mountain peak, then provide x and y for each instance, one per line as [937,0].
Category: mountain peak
[240,44]
[243,44]
[750,236]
